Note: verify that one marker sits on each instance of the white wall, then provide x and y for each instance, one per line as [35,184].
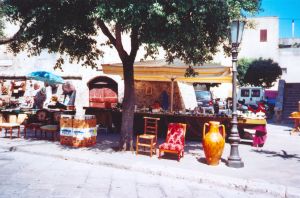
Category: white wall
[289,58]
[251,47]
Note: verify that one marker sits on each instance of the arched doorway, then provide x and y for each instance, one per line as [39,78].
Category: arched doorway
[103,92]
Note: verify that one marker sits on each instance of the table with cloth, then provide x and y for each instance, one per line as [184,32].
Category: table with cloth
[259,126]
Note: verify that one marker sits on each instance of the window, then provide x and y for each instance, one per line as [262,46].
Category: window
[255,93]
[203,95]
[284,70]
[263,35]
[245,92]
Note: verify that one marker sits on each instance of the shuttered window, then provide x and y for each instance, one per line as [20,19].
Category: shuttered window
[263,35]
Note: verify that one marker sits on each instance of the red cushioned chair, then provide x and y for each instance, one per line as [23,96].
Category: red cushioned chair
[175,140]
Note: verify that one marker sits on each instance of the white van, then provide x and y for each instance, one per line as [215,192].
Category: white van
[251,95]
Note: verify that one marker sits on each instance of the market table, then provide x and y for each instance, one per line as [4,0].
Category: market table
[254,130]
[296,117]
[296,128]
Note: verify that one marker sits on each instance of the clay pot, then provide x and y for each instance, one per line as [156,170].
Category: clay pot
[213,142]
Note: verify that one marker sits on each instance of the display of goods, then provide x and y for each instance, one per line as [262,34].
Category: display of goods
[4,90]
[213,142]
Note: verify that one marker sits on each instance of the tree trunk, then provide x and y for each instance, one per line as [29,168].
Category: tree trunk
[128,106]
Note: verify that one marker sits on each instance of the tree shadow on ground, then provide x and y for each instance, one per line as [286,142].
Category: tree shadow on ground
[283,154]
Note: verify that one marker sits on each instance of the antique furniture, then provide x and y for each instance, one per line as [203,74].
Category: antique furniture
[36,121]
[253,130]
[149,138]
[52,125]
[296,117]
[53,129]
[12,124]
[103,92]
[175,140]
[10,127]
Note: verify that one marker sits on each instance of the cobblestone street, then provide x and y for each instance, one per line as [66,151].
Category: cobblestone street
[27,175]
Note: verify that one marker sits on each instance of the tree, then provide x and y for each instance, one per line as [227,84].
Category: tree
[263,72]
[190,30]
[243,65]
[1,22]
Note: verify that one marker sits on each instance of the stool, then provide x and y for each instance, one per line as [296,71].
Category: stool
[10,127]
[34,126]
[50,129]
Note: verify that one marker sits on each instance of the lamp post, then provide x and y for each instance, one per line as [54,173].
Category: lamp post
[234,160]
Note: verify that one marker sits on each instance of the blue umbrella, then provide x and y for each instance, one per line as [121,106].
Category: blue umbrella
[45,76]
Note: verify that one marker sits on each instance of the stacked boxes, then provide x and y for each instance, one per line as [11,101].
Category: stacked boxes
[82,132]
[66,130]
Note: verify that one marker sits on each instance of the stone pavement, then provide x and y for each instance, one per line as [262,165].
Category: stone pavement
[273,169]
[25,175]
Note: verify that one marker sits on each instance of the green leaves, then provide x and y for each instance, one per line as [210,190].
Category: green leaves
[191,30]
[243,66]
[258,72]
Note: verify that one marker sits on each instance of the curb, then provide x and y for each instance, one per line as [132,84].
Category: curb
[244,185]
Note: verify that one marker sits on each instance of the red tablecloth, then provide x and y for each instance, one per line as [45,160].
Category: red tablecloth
[260,135]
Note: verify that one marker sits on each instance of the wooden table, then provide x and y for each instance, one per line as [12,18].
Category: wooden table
[253,130]
[296,128]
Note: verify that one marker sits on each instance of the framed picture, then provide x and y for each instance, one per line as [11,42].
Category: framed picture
[148,90]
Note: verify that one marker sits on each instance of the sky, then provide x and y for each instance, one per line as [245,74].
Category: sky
[286,10]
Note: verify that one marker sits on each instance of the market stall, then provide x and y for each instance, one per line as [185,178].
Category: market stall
[153,76]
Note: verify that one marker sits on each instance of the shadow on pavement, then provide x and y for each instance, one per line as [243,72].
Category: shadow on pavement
[283,154]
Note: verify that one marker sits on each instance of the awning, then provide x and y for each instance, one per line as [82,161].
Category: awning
[160,70]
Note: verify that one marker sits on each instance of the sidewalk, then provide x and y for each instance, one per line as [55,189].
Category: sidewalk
[273,169]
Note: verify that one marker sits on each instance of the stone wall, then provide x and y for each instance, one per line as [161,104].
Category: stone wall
[147,92]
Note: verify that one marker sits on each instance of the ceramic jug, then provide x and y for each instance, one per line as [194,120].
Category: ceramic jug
[213,142]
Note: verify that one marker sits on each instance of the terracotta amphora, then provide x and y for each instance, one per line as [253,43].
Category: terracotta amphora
[213,142]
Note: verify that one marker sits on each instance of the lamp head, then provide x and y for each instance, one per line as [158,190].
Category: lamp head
[237,28]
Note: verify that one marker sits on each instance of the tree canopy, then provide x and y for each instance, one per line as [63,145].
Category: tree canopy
[243,65]
[258,72]
[191,30]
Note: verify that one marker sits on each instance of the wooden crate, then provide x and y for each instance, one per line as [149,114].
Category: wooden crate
[66,121]
[66,136]
[66,140]
[78,131]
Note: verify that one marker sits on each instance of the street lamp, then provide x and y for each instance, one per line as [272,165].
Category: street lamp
[234,160]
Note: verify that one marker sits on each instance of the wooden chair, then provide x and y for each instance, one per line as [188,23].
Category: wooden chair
[53,126]
[14,123]
[10,127]
[39,119]
[175,140]
[53,129]
[149,138]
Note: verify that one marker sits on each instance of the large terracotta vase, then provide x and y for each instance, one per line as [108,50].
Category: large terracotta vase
[213,142]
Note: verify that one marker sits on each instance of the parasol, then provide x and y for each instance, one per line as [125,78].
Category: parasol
[46,77]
